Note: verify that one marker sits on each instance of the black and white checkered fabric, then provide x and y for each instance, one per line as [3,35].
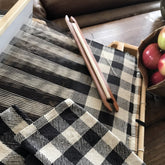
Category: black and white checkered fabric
[67,134]
[70,135]
[41,68]
[9,156]
[10,124]
[12,121]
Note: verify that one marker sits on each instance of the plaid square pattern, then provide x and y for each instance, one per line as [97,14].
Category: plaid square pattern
[83,139]
[12,121]
[9,156]
[42,67]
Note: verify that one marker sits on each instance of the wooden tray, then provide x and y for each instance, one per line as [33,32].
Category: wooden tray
[133,50]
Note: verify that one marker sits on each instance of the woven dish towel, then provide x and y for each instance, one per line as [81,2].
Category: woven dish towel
[12,121]
[42,67]
[70,135]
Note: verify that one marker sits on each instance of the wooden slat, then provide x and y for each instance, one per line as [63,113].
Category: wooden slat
[142,118]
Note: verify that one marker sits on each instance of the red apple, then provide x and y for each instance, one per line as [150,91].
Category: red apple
[161,65]
[151,56]
[161,39]
[156,78]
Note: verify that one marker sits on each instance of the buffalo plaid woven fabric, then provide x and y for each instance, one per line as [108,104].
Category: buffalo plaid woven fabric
[70,135]
[42,67]
[9,156]
[12,121]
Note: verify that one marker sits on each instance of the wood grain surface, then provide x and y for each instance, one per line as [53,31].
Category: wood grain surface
[131,30]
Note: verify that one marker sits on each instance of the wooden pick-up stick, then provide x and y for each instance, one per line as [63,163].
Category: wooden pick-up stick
[91,61]
[101,84]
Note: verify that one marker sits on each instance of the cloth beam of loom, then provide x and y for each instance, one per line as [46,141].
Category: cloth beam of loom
[42,67]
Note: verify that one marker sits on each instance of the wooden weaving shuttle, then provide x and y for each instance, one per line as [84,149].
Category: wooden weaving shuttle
[91,63]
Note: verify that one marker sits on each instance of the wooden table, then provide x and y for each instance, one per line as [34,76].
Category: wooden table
[130,30]
[133,30]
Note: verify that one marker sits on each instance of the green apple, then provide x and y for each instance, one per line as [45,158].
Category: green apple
[161,39]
